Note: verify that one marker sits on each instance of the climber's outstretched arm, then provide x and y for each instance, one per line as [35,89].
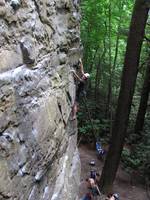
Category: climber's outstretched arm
[81,66]
[76,75]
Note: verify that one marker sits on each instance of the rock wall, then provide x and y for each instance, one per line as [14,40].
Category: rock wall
[39,42]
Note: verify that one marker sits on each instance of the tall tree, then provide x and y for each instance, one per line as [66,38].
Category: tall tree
[110,59]
[132,57]
[98,73]
[143,102]
[112,68]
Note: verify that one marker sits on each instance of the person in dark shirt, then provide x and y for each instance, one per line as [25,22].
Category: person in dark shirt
[81,79]
[81,86]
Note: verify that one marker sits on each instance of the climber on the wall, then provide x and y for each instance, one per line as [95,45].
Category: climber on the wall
[80,79]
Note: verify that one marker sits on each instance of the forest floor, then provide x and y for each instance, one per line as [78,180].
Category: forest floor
[122,185]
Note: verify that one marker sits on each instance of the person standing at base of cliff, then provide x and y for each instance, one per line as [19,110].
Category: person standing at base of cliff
[80,80]
[112,197]
[92,189]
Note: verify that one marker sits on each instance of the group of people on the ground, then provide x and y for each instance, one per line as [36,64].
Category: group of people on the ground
[93,192]
[92,186]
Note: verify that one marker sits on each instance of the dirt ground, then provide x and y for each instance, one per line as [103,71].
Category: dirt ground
[122,185]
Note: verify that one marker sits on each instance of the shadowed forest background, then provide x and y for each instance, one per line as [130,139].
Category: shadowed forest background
[116,40]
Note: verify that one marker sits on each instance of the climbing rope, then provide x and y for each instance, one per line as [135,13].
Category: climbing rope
[84,100]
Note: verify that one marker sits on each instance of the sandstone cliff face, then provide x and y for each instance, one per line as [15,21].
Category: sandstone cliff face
[39,40]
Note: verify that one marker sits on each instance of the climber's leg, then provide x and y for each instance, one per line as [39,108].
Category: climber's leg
[74,110]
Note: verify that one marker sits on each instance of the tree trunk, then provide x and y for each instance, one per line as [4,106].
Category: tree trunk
[143,103]
[109,112]
[98,76]
[93,60]
[118,36]
[128,81]
[114,64]
[110,65]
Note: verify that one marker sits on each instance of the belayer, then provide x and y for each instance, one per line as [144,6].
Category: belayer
[93,190]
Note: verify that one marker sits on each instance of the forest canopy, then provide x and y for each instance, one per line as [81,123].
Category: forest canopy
[109,30]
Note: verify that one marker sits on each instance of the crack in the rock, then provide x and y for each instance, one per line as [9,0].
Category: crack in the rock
[43,20]
[4,196]
[46,166]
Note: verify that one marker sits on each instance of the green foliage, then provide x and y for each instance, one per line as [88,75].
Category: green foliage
[130,161]
[138,158]
[87,127]
[103,22]
[95,36]
[93,124]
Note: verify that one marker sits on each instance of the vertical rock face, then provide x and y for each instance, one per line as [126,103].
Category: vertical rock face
[39,42]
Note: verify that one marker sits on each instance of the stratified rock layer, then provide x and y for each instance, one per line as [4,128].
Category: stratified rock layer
[38,156]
